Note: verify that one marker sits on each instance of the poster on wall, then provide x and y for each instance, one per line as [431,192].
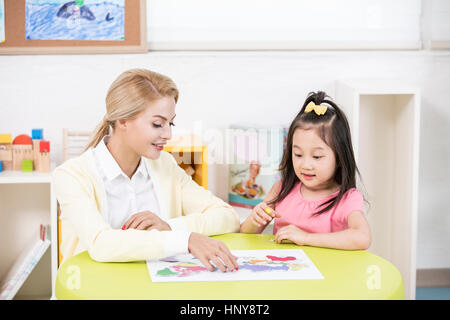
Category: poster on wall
[2,21]
[75,20]
[253,165]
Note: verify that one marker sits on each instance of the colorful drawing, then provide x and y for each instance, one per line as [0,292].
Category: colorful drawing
[75,20]
[2,21]
[287,264]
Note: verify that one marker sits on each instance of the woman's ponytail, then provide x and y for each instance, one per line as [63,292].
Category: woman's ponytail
[100,132]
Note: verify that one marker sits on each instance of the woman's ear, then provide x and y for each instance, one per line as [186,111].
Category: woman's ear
[121,124]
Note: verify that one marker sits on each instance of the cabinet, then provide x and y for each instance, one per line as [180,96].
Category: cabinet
[384,117]
[26,201]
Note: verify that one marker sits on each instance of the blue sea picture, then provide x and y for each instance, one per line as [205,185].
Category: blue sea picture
[75,20]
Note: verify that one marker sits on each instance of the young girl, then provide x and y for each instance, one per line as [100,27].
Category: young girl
[316,202]
[124,199]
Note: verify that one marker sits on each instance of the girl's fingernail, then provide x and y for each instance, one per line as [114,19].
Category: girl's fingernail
[124,227]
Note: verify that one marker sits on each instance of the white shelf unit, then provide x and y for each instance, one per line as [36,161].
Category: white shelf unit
[384,117]
[27,200]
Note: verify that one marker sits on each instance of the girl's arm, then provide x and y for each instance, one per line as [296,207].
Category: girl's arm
[258,220]
[356,237]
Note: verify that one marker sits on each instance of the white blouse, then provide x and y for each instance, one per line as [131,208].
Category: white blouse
[126,196]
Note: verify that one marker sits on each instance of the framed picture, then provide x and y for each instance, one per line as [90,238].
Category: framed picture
[73,27]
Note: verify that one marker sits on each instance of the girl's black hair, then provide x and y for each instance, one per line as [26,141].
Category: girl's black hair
[334,130]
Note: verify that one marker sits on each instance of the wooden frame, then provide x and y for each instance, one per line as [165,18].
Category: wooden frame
[74,143]
[15,42]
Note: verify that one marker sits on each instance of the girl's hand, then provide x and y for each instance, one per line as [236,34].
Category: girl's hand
[262,215]
[146,220]
[292,233]
[209,250]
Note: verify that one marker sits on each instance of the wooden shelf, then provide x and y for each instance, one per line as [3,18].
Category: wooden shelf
[384,117]
[22,268]
[27,200]
[189,149]
[7,177]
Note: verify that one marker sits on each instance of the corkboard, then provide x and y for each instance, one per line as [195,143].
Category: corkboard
[15,42]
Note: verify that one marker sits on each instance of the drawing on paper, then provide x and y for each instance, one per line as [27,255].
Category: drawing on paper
[287,264]
[74,20]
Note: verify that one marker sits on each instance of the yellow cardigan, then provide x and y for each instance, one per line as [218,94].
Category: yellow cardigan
[82,199]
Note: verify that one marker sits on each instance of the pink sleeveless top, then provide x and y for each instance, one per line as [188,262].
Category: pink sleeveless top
[296,210]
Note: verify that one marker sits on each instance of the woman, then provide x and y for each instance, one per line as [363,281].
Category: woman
[124,199]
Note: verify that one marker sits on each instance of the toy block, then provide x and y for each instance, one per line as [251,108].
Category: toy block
[22,139]
[27,165]
[5,153]
[44,146]
[5,139]
[7,165]
[21,152]
[187,168]
[36,153]
[6,156]
[43,164]
[37,134]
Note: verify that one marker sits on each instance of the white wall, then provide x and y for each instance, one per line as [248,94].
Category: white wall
[217,89]
[285,24]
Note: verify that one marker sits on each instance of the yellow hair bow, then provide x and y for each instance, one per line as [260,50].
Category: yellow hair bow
[318,109]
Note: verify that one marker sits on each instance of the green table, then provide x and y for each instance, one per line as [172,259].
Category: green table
[348,275]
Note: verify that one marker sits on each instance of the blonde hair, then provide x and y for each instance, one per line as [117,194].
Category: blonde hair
[130,94]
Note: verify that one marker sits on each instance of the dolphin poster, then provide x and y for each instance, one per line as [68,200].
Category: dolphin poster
[75,20]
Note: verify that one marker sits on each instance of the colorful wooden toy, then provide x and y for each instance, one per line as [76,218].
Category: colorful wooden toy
[24,152]
[5,139]
[43,163]
[6,155]
[27,165]
[44,146]
[22,139]
[37,134]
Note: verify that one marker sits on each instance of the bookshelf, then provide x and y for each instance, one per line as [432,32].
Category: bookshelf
[27,201]
[384,117]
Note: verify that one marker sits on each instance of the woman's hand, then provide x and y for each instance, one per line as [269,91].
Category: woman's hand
[209,250]
[262,215]
[291,233]
[146,220]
